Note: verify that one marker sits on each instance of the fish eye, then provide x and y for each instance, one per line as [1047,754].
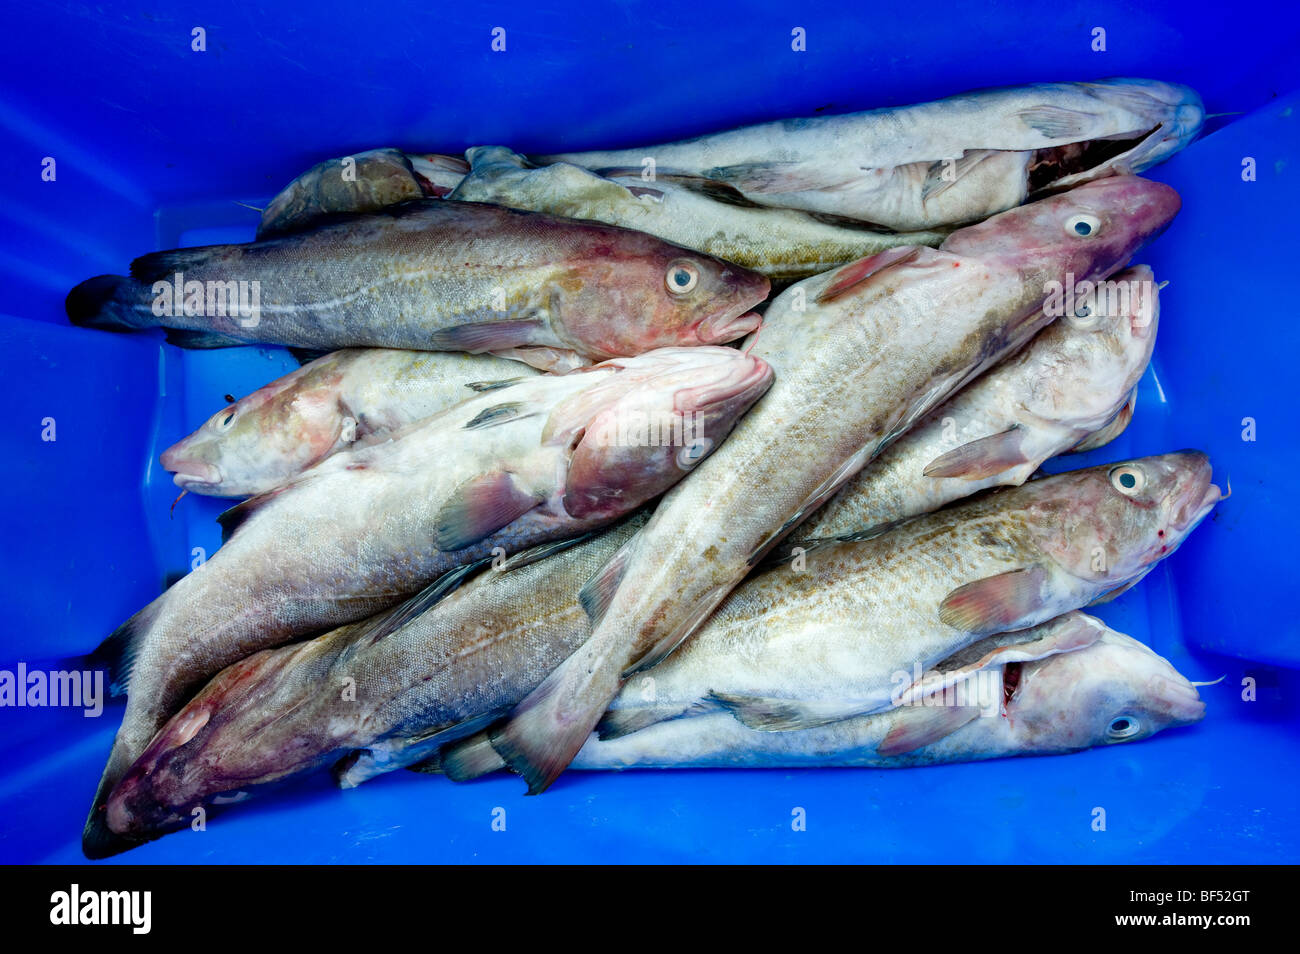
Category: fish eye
[1128,479]
[1123,727]
[229,416]
[1082,225]
[682,277]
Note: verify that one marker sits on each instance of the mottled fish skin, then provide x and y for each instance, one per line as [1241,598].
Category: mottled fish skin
[384,699]
[947,162]
[783,244]
[366,182]
[431,275]
[369,526]
[267,438]
[823,638]
[859,355]
[1114,690]
[1072,380]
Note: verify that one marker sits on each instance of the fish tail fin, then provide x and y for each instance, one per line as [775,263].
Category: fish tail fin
[546,730]
[468,759]
[117,652]
[109,303]
[97,839]
[163,266]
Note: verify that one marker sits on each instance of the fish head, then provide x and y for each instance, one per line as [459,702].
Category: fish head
[1139,123]
[639,433]
[1115,690]
[229,739]
[1077,236]
[636,293]
[1085,365]
[263,439]
[1109,525]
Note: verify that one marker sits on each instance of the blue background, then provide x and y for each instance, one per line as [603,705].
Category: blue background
[155,147]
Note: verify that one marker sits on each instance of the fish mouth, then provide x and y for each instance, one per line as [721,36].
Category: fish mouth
[1178,700]
[736,380]
[1197,499]
[720,329]
[192,473]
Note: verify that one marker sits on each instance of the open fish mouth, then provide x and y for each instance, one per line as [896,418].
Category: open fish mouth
[1053,168]
[724,328]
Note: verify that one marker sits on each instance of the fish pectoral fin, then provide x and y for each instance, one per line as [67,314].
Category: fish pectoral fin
[766,714]
[996,603]
[1055,122]
[664,648]
[481,506]
[552,360]
[856,274]
[771,178]
[370,631]
[477,337]
[982,458]
[945,173]
[482,386]
[915,727]
[1067,633]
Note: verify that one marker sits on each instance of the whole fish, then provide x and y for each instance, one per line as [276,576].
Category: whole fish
[384,693]
[1073,380]
[366,182]
[1114,690]
[947,162]
[859,354]
[712,217]
[267,438]
[436,276]
[545,458]
[823,638]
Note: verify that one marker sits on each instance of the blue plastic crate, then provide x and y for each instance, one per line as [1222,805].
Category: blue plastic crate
[155,145]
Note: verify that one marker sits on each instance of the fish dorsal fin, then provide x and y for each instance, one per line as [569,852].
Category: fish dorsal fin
[232,518]
[915,727]
[481,506]
[997,603]
[497,414]
[775,177]
[982,458]
[543,550]
[855,274]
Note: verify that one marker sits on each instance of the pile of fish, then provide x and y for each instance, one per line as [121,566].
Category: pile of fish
[524,508]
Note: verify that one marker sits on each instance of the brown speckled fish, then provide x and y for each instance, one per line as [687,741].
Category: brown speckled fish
[431,275]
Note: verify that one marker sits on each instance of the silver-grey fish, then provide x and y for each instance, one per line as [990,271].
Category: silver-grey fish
[859,354]
[436,276]
[265,439]
[1073,380]
[947,162]
[1114,690]
[546,458]
[783,244]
